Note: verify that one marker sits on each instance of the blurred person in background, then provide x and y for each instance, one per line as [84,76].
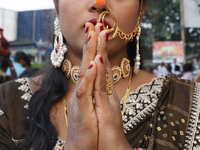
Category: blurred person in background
[21,63]
[187,71]
[169,68]
[28,62]
[162,70]
[4,44]
[195,73]
[155,70]
[177,71]
[5,62]
[174,68]
[31,57]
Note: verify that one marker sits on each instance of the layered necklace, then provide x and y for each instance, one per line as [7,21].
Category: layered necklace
[122,71]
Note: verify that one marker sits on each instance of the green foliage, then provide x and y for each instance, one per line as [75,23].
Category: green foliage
[37,65]
[192,36]
[161,22]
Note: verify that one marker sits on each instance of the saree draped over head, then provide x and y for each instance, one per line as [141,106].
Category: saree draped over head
[160,115]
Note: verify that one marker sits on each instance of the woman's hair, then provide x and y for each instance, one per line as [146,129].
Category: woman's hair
[42,134]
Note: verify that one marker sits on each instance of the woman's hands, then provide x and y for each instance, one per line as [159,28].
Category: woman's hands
[94,117]
[82,119]
[111,132]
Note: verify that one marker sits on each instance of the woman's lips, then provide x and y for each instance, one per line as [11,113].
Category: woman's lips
[94,22]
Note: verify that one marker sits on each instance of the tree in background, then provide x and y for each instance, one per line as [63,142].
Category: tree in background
[162,22]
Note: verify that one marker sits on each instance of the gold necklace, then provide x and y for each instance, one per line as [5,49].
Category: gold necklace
[127,93]
[122,71]
[124,103]
[65,109]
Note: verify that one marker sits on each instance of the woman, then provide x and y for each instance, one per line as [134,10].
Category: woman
[72,107]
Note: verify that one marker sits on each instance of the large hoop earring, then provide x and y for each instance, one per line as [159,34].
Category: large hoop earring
[115,28]
[57,55]
[137,57]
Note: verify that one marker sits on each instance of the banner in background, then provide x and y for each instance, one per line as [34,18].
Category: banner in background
[166,51]
[191,13]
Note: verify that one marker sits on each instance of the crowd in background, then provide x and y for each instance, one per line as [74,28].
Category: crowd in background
[187,71]
[21,67]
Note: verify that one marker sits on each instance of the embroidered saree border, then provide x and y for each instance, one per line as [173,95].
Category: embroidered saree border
[141,103]
[26,88]
[193,120]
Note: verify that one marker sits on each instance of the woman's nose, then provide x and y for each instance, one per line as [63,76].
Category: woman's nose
[98,5]
[100,2]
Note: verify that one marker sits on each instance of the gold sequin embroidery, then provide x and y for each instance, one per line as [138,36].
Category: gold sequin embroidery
[159,128]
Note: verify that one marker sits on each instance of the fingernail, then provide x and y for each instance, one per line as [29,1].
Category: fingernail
[107,36]
[101,27]
[101,59]
[86,29]
[89,37]
[90,66]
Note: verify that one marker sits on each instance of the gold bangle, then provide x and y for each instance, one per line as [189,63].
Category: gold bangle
[12,68]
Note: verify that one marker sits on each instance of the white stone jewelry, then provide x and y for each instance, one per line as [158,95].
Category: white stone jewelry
[57,55]
[137,57]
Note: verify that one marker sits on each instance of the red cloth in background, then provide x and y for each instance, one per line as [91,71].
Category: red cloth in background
[4,44]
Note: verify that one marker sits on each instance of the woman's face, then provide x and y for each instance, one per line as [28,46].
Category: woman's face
[73,14]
